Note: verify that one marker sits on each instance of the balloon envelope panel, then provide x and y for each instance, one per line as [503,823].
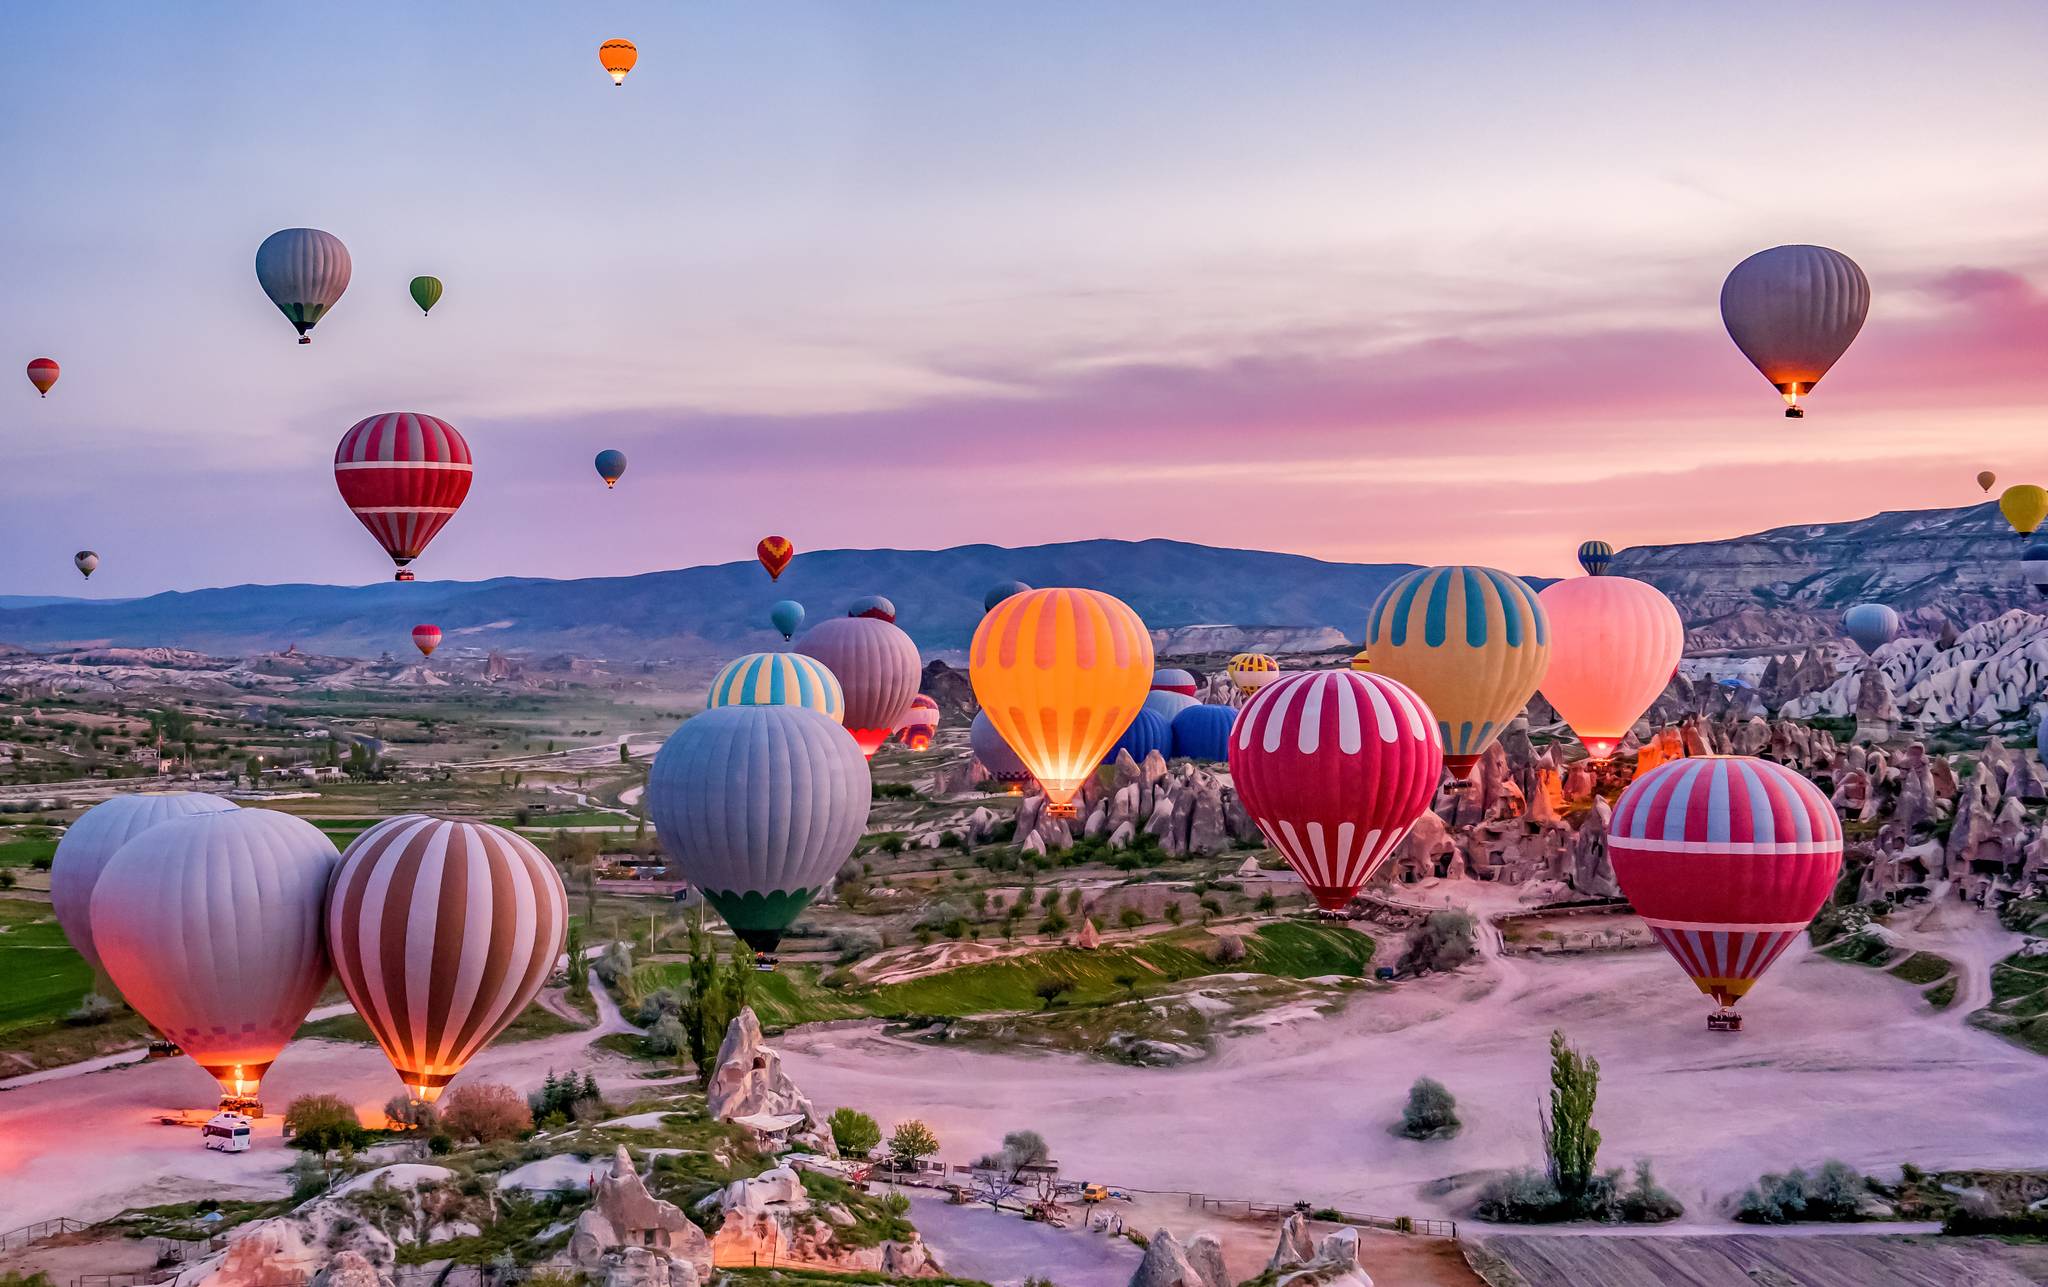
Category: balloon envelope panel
[98,834]
[1202,732]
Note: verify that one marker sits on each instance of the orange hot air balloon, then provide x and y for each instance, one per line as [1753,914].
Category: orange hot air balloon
[617,56]
[42,373]
[1614,645]
[775,552]
[1061,673]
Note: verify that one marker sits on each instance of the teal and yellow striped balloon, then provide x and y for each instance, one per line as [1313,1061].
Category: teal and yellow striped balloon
[778,679]
[1472,641]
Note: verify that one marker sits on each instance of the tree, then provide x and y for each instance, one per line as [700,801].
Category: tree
[323,1123]
[718,992]
[579,964]
[1431,1112]
[1444,941]
[854,1132]
[911,1143]
[485,1112]
[1569,1141]
[667,1036]
[1050,991]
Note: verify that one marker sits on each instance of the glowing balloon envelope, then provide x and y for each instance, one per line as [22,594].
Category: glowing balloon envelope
[98,834]
[1000,591]
[617,57]
[1335,766]
[1793,311]
[920,724]
[426,292]
[2024,506]
[1871,625]
[1471,641]
[877,666]
[42,373]
[611,466]
[426,638]
[175,897]
[1594,556]
[778,679]
[86,562]
[775,552]
[304,271]
[787,616]
[1614,644]
[1987,480]
[403,474]
[1727,858]
[1061,674]
[1251,671]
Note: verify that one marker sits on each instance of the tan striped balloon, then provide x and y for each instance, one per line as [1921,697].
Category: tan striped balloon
[442,932]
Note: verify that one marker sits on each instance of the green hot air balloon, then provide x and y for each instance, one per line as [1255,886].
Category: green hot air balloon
[426,292]
[759,806]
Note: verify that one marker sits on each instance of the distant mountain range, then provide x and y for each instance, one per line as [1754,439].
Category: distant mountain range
[705,612]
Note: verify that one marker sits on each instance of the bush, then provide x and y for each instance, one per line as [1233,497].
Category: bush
[615,963]
[667,1036]
[854,1132]
[92,1008]
[1647,1203]
[851,945]
[1445,941]
[1431,1112]
[911,1143]
[1520,1197]
[485,1112]
[309,1179]
[1229,950]
[1130,918]
[323,1123]
[1834,1193]
[1265,902]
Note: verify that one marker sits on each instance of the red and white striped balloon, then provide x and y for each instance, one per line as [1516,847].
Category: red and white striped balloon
[1335,766]
[403,475]
[1727,858]
[426,638]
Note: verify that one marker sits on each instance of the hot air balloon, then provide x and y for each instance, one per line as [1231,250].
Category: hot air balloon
[758,807]
[426,639]
[2024,506]
[1793,310]
[611,466]
[1871,625]
[92,840]
[210,925]
[919,724]
[1594,556]
[1251,671]
[617,57]
[1148,731]
[1000,591]
[1172,679]
[86,562]
[1986,479]
[442,933]
[876,664]
[1471,641]
[2034,566]
[1202,732]
[1362,660]
[1335,766]
[304,271]
[1727,858]
[872,605]
[1614,645]
[426,292]
[778,679]
[42,373]
[1061,673]
[775,552]
[998,762]
[403,474]
[787,616]
[1167,704]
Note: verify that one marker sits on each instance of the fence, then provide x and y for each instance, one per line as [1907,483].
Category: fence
[41,1229]
[1331,1215]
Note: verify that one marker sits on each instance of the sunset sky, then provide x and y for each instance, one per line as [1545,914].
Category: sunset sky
[1367,281]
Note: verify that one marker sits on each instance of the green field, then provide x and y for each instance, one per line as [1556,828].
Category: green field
[44,978]
[18,852]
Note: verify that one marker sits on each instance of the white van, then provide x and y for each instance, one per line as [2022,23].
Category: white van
[226,1133]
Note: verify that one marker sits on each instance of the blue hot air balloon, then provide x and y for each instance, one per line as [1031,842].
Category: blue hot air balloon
[1000,591]
[2034,567]
[1202,732]
[788,617]
[1149,731]
[1594,556]
[758,807]
[611,466]
[1871,625]
[1167,703]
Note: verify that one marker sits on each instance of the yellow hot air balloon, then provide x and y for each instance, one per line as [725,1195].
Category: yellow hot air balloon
[1061,673]
[617,57]
[1472,641]
[1987,480]
[2024,506]
[1362,659]
[1251,671]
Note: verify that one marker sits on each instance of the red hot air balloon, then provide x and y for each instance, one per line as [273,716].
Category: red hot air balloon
[1335,766]
[42,373]
[775,552]
[403,474]
[1727,858]
[426,639]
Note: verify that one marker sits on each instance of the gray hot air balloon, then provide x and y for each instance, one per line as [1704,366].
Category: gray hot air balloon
[877,665]
[1000,591]
[304,271]
[89,842]
[211,926]
[86,562]
[1794,310]
[1167,703]
[758,807]
[994,754]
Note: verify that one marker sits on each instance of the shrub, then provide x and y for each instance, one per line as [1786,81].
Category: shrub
[667,1036]
[852,944]
[1229,950]
[1265,902]
[485,1112]
[1130,918]
[1519,1197]
[615,963]
[1834,1193]
[92,1008]
[309,1179]
[854,1132]
[1431,1112]
[1647,1203]
[911,1143]
[1050,991]
[1444,941]
[323,1123]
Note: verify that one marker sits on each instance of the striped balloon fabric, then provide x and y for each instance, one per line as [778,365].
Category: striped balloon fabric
[1727,859]
[877,667]
[1335,766]
[1471,641]
[778,679]
[1594,556]
[442,932]
[1251,671]
[403,475]
[1061,673]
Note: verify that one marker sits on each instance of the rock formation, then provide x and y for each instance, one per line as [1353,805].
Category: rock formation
[1299,1262]
[1169,1264]
[747,1081]
[770,1219]
[623,1217]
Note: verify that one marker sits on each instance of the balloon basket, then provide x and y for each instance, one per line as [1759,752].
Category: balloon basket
[1061,811]
[1724,1021]
[404,576]
[1795,413]
[247,1105]
[305,339]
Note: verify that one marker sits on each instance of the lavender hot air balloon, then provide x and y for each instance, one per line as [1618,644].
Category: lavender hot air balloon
[1871,625]
[878,669]
[1793,311]
[997,760]
[92,841]
[304,271]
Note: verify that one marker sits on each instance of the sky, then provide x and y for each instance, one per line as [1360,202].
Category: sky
[1365,281]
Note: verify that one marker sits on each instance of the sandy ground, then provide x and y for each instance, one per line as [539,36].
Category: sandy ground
[1004,1249]
[1836,1061]
[90,1145]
